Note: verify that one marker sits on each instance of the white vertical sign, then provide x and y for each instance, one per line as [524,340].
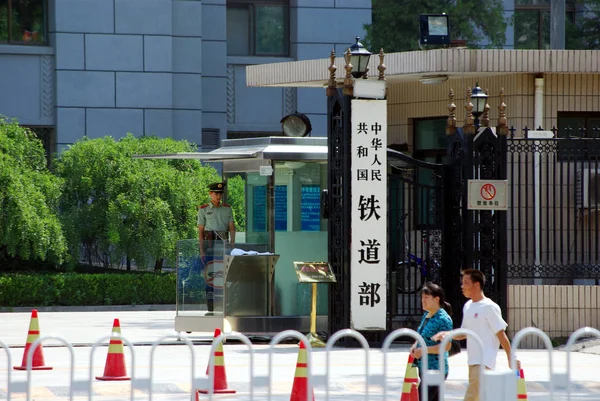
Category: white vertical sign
[368,259]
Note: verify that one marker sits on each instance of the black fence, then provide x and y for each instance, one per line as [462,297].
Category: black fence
[554,207]
[415,223]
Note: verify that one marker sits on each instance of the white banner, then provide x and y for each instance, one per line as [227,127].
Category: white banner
[368,303]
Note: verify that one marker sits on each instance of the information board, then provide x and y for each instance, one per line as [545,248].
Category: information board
[314,272]
[311,208]
[259,209]
[280,207]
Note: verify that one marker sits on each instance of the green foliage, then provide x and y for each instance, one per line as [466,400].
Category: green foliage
[29,226]
[75,289]
[236,198]
[118,206]
[395,24]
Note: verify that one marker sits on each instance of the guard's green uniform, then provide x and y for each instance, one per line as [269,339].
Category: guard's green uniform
[215,218]
[215,221]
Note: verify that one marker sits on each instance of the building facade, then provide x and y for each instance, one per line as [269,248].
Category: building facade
[532,25]
[171,68]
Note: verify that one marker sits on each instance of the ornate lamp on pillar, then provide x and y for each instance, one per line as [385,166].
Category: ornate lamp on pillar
[479,99]
[359,57]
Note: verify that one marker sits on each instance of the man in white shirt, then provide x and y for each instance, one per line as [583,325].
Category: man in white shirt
[482,316]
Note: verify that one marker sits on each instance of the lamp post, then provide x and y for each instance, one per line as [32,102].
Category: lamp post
[479,99]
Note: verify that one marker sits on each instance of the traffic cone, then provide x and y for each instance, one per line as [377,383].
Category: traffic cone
[521,386]
[38,355]
[300,386]
[414,392]
[410,377]
[114,369]
[220,379]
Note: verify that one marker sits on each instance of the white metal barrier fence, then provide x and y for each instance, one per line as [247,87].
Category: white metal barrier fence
[496,385]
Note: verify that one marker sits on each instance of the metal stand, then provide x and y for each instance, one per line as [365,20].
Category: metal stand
[313,337]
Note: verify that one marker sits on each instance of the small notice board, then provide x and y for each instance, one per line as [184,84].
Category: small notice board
[314,272]
[488,194]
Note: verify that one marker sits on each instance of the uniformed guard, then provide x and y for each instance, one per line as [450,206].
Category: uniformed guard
[215,223]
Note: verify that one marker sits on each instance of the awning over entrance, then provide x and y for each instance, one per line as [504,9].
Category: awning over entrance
[413,66]
[268,148]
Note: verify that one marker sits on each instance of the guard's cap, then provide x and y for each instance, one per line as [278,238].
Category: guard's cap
[217,187]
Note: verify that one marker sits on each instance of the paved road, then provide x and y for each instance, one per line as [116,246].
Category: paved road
[172,363]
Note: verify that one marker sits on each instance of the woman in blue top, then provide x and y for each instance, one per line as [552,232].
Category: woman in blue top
[435,319]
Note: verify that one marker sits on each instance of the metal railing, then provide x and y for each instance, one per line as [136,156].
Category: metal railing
[498,385]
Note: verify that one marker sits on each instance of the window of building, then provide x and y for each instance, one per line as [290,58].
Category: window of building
[258,28]
[23,22]
[211,139]
[430,143]
[532,23]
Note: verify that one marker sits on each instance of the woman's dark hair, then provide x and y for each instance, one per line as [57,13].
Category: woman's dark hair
[436,291]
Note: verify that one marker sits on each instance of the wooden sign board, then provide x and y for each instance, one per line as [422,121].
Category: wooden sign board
[314,272]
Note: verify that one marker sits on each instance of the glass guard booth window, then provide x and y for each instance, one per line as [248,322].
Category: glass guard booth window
[300,232]
[257,230]
[23,22]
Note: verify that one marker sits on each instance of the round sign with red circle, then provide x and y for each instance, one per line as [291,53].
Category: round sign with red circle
[488,191]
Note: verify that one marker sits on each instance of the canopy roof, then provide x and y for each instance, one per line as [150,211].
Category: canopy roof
[412,66]
[265,148]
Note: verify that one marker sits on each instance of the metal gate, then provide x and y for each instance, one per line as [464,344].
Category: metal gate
[432,233]
[476,238]
[415,232]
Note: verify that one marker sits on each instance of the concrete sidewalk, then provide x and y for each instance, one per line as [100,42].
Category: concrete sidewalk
[86,327]
[145,327]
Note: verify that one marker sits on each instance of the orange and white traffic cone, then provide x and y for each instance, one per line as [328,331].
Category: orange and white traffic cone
[220,378]
[33,334]
[521,386]
[114,369]
[410,377]
[300,386]
[414,392]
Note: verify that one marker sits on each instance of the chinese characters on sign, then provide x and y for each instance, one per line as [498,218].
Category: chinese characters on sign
[369,215]
[487,194]
[369,294]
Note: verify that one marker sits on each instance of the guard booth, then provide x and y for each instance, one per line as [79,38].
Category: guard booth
[253,283]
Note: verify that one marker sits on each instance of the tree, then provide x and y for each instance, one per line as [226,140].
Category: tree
[29,225]
[117,206]
[395,24]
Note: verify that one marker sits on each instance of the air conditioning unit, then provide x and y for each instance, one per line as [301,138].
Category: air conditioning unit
[587,188]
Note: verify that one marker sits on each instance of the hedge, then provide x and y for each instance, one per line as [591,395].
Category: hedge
[76,289]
